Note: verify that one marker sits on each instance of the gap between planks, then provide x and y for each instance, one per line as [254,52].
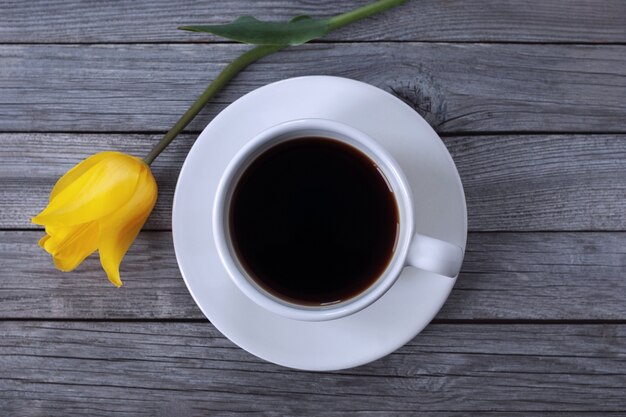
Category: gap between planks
[505,322]
[329,41]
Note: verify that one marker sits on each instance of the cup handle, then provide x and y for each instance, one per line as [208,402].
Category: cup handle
[435,255]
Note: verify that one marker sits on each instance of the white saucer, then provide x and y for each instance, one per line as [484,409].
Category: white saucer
[380,328]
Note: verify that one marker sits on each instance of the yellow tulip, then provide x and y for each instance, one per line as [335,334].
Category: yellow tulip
[100,204]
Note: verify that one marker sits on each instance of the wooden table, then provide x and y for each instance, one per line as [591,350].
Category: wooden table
[530,99]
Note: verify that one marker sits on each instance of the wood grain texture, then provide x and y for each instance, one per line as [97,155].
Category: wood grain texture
[505,276]
[457,87]
[190,369]
[512,183]
[424,20]
[530,99]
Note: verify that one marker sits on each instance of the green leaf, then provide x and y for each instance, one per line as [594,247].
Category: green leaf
[247,29]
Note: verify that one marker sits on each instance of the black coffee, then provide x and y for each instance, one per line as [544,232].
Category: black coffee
[313,221]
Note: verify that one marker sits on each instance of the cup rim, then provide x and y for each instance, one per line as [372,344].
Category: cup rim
[349,135]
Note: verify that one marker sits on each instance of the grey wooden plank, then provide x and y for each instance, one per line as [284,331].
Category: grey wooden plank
[458,87]
[505,276]
[543,182]
[32,288]
[432,20]
[512,183]
[552,276]
[69,368]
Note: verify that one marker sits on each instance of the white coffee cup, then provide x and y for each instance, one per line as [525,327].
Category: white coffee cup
[412,249]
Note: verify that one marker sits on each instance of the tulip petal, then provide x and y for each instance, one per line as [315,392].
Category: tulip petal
[70,250]
[119,230]
[78,170]
[113,248]
[58,236]
[102,189]
[43,241]
[61,237]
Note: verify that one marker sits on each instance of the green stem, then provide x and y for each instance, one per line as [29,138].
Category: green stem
[248,58]
[222,79]
[361,13]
